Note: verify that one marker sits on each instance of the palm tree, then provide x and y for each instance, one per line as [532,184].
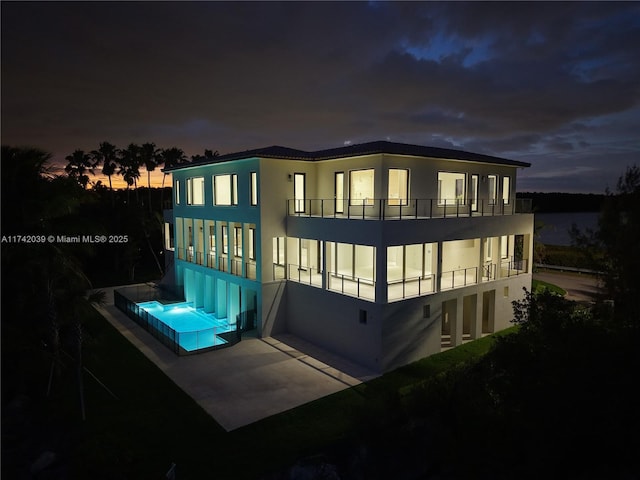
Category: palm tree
[129,166]
[170,157]
[107,154]
[151,157]
[79,165]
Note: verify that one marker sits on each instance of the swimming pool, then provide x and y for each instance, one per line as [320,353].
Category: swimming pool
[190,328]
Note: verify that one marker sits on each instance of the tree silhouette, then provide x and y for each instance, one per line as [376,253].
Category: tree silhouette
[129,167]
[170,157]
[79,164]
[150,157]
[107,155]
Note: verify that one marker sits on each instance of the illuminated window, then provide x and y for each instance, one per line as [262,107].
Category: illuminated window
[278,250]
[195,191]
[252,243]
[225,189]
[177,192]
[398,186]
[212,238]
[506,190]
[299,191]
[493,185]
[473,193]
[339,192]
[168,236]
[504,246]
[225,240]
[237,241]
[361,187]
[451,188]
[254,188]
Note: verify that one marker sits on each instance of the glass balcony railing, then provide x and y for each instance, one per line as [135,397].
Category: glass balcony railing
[417,208]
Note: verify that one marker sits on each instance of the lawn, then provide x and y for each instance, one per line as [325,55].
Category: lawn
[538,286]
[152,423]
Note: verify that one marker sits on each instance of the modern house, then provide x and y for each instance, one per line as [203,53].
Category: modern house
[381,252]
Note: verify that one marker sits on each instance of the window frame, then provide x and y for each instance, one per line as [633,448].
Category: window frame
[232,189]
[460,198]
[253,188]
[299,200]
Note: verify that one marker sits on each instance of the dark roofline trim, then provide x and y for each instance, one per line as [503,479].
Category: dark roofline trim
[371,148]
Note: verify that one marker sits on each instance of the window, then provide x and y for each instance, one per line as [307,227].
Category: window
[237,241]
[493,194]
[195,191]
[398,186]
[254,188]
[177,192]
[252,243]
[504,246]
[473,193]
[168,236]
[451,188]
[488,250]
[339,192]
[225,240]
[506,190]
[299,191]
[225,189]
[361,187]
[278,250]
[212,238]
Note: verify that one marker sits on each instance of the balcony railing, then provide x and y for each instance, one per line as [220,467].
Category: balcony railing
[512,267]
[417,208]
[459,278]
[219,262]
[353,286]
[308,275]
[410,287]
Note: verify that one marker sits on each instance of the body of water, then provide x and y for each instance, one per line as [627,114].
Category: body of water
[557,225]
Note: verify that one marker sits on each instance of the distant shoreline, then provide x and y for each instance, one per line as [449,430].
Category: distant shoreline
[557,202]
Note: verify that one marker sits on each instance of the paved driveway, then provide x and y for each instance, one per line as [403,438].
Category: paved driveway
[579,287]
[252,380]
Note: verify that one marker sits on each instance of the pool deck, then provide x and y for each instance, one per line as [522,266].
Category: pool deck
[247,382]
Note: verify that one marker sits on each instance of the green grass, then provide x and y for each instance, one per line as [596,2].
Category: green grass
[154,423]
[538,286]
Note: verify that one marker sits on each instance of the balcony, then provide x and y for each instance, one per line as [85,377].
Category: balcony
[219,262]
[417,208]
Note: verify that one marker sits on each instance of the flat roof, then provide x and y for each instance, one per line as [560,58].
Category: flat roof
[370,148]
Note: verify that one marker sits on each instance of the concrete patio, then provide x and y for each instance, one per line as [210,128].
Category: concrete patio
[250,381]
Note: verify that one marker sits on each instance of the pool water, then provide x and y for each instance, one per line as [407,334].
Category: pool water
[194,328]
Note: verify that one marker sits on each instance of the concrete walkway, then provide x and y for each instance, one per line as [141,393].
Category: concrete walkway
[579,287]
[252,380]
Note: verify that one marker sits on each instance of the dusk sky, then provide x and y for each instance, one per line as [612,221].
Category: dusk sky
[553,84]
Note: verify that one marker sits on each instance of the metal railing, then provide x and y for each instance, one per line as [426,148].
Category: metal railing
[352,286]
[198,340]
[512,267]
[458,278]
[308,275]
[410,287]
[415,208]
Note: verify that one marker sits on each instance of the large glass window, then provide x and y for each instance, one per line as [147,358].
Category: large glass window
[451,188]
[168,236]
[237,241]
[339,192]
[225,240]
[361,187]
[195,191]
[506,190]
[254,188]
[398,186]
[504,247]
[278,250]
[493,189]
[225,189]
[473,193]
[299,191]
[252,243]
[212,238]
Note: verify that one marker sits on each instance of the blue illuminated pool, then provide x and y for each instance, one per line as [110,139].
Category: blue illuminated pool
[191,328]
